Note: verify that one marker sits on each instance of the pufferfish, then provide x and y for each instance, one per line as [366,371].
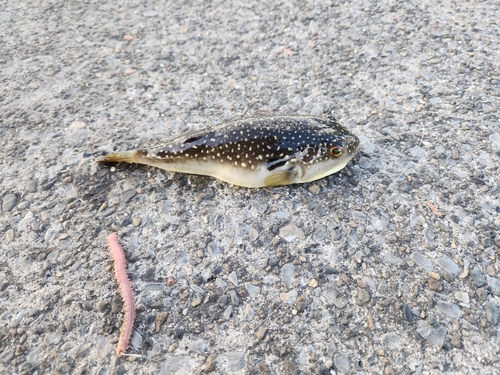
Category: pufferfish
[255,152]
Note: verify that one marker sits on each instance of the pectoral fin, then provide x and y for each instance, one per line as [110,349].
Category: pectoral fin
[285,177]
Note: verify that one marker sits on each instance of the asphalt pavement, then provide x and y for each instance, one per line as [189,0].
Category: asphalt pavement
[389,267]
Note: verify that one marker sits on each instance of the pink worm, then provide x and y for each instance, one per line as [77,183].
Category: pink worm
[125,291]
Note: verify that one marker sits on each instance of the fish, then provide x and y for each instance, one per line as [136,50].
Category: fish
[254,152]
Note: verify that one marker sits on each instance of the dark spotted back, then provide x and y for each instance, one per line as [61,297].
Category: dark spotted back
[250,142]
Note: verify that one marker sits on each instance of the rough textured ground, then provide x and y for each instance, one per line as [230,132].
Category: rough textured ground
[390,267]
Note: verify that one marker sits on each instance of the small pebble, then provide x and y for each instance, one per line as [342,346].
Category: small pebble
[462,297]
[371,323]
[210,363]
[291,232]
[313,283]
[449,309]
[434,275]
[491,311]
[449,266]
[390,339]
[136,221]
[128,195]
[136,340]
[76,125]
[67,324]
[31,186]
[314,189]
[435,285]
[235,361]
[263,367]
[235,301]
[435,335]
[407,312]
[233,278]
[102,305]
[482,293]
[20,349]
[490,271]
[159,320]
[341,362]
[363,296]
[287,272]
[155,350]
[9,202]
[228,313]
[102,207]
[289,298]
[456,342]
[179,333]
[87,306]
[196,302]
[463,274]
[9,235]
[261,332]
[478,279]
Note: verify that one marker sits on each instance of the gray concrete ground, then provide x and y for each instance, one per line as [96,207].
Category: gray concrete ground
[390,267]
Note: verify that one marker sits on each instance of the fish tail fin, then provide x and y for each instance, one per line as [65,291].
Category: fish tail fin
[122,157]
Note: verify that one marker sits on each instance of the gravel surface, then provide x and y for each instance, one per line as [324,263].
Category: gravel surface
[389,267]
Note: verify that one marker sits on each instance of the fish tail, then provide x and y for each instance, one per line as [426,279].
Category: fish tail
[122,157]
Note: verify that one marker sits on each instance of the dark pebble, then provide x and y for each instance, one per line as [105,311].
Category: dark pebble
[4,285]
[223,301]
[329,270]
[301,305]
[389,301]
[235,301]
[35,313]
[128,195]
[352,181]
[31,186]
[48,184]
[491,311]
[39,330]
[482,294]
[478,279]
[102,306]
[408,313]
[432,321]
[179,333]
[126,221]
[87,306]
[272,261]
[321,211]
[149,275]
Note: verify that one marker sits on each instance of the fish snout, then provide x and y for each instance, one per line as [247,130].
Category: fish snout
[352,144]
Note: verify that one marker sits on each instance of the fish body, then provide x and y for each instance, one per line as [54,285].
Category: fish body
[255,152]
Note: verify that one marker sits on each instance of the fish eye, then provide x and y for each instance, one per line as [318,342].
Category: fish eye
[336,151]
